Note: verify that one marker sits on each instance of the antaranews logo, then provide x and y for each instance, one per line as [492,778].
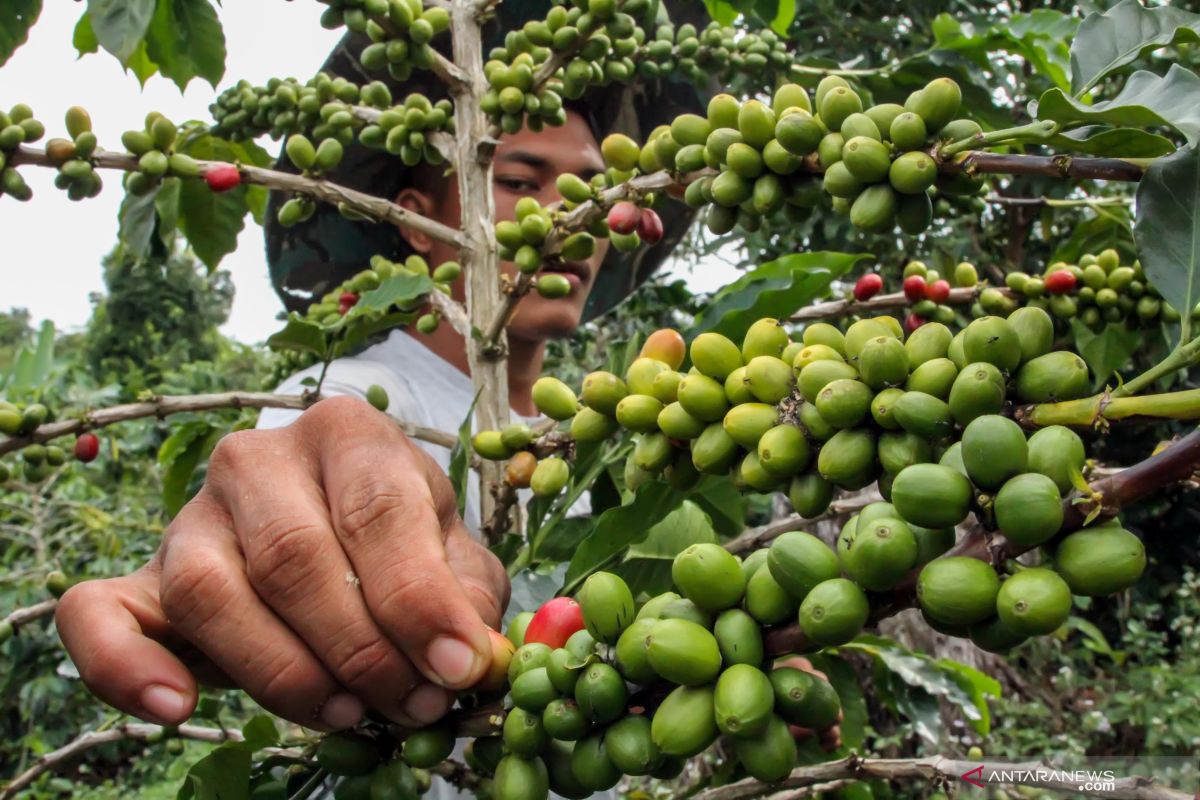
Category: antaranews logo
[1085,775]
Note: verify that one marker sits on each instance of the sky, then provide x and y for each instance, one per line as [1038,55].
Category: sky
[53,247]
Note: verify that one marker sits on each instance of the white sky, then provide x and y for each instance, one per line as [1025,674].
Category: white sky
[52,247]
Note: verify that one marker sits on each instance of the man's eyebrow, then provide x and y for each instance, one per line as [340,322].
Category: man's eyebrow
[537,162]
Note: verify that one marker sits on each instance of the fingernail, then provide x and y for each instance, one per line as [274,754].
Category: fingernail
[427,703]
[164,703]
[452,661]
[342,711]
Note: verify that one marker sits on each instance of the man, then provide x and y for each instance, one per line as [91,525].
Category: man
[323,567]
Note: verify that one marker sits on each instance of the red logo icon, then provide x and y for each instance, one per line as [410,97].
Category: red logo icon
[966,776]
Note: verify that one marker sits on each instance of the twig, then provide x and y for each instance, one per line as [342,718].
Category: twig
[756,538]
[129,731]
[165,405]
[452,311]
[1055,202]
[1059,166]
[376,208]
[23,616]
[1032,774]
[883,302]
[1089,411]
[1172,465]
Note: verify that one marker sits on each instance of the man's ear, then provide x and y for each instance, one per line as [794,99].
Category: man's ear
[419,203]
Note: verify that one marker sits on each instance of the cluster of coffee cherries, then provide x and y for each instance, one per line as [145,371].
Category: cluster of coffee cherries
[154,146]
[327,108]
[340,306]
[37,461]
[925,289]
[17,127]
[400,31]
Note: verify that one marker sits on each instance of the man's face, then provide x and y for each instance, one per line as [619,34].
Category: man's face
[526,165]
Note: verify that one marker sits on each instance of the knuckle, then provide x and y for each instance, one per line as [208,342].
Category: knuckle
[369,507]
[365,662]
[196,594]
[238,451]
[283,555]
[406,594]
[287,685]
[337,411]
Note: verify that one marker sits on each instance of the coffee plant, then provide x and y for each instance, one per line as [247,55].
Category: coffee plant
[941,435]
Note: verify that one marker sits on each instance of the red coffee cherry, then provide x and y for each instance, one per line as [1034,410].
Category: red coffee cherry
[650,227]
[867,287]
[914,288]
[223,178]
[912,322]
[1060,282]
[938,291]
[623,218]
[554,622]
[87,447]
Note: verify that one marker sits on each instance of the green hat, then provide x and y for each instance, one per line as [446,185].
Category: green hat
[310,259]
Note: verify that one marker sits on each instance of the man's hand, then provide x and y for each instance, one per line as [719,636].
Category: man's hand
[323,568]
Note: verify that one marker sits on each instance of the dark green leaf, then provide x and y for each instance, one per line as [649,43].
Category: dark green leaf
[16,18]
[186,40]
[563,537]
[723,502]
[1168,227]
[141,65]
[1095,140]
[84,37]
[1122,34]
[721,11]
[933,677]
[260,732]
[532,588]
[223,774]
[978,686]
[620,527]
[211,221]
[460,459]
[256,200]
[179,456]
[137,218]
[120,25]
[775,289]
[1107,351]
[1145,101]
[854,705]
[302,336]
[647,564]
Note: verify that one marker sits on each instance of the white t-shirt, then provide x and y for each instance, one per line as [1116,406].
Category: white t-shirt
[424,390]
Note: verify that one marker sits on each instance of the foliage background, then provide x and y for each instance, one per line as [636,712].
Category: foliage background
[1120,679]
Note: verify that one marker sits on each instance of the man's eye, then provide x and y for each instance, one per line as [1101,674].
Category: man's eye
[518,185]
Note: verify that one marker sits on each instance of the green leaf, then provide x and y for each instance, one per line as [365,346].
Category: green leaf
[166,205]
[725,505]
[43,358]
[1122,34]
[1095,140]
[563,537]
[931,676]
[186,40]
[302,336]
[120,25]
[620,527]
[223,774]
[647,565]
[141,65]
[854,705]
[84,37]
[775,289]
[1146,100]
[978,686]
[210,221]
[16,18]
[1107,351]
[137,219]
[460,459]
[784,14]
[945,28]
[260,732]
[179,455]
[1167,230]
[721,11]
[398,290]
